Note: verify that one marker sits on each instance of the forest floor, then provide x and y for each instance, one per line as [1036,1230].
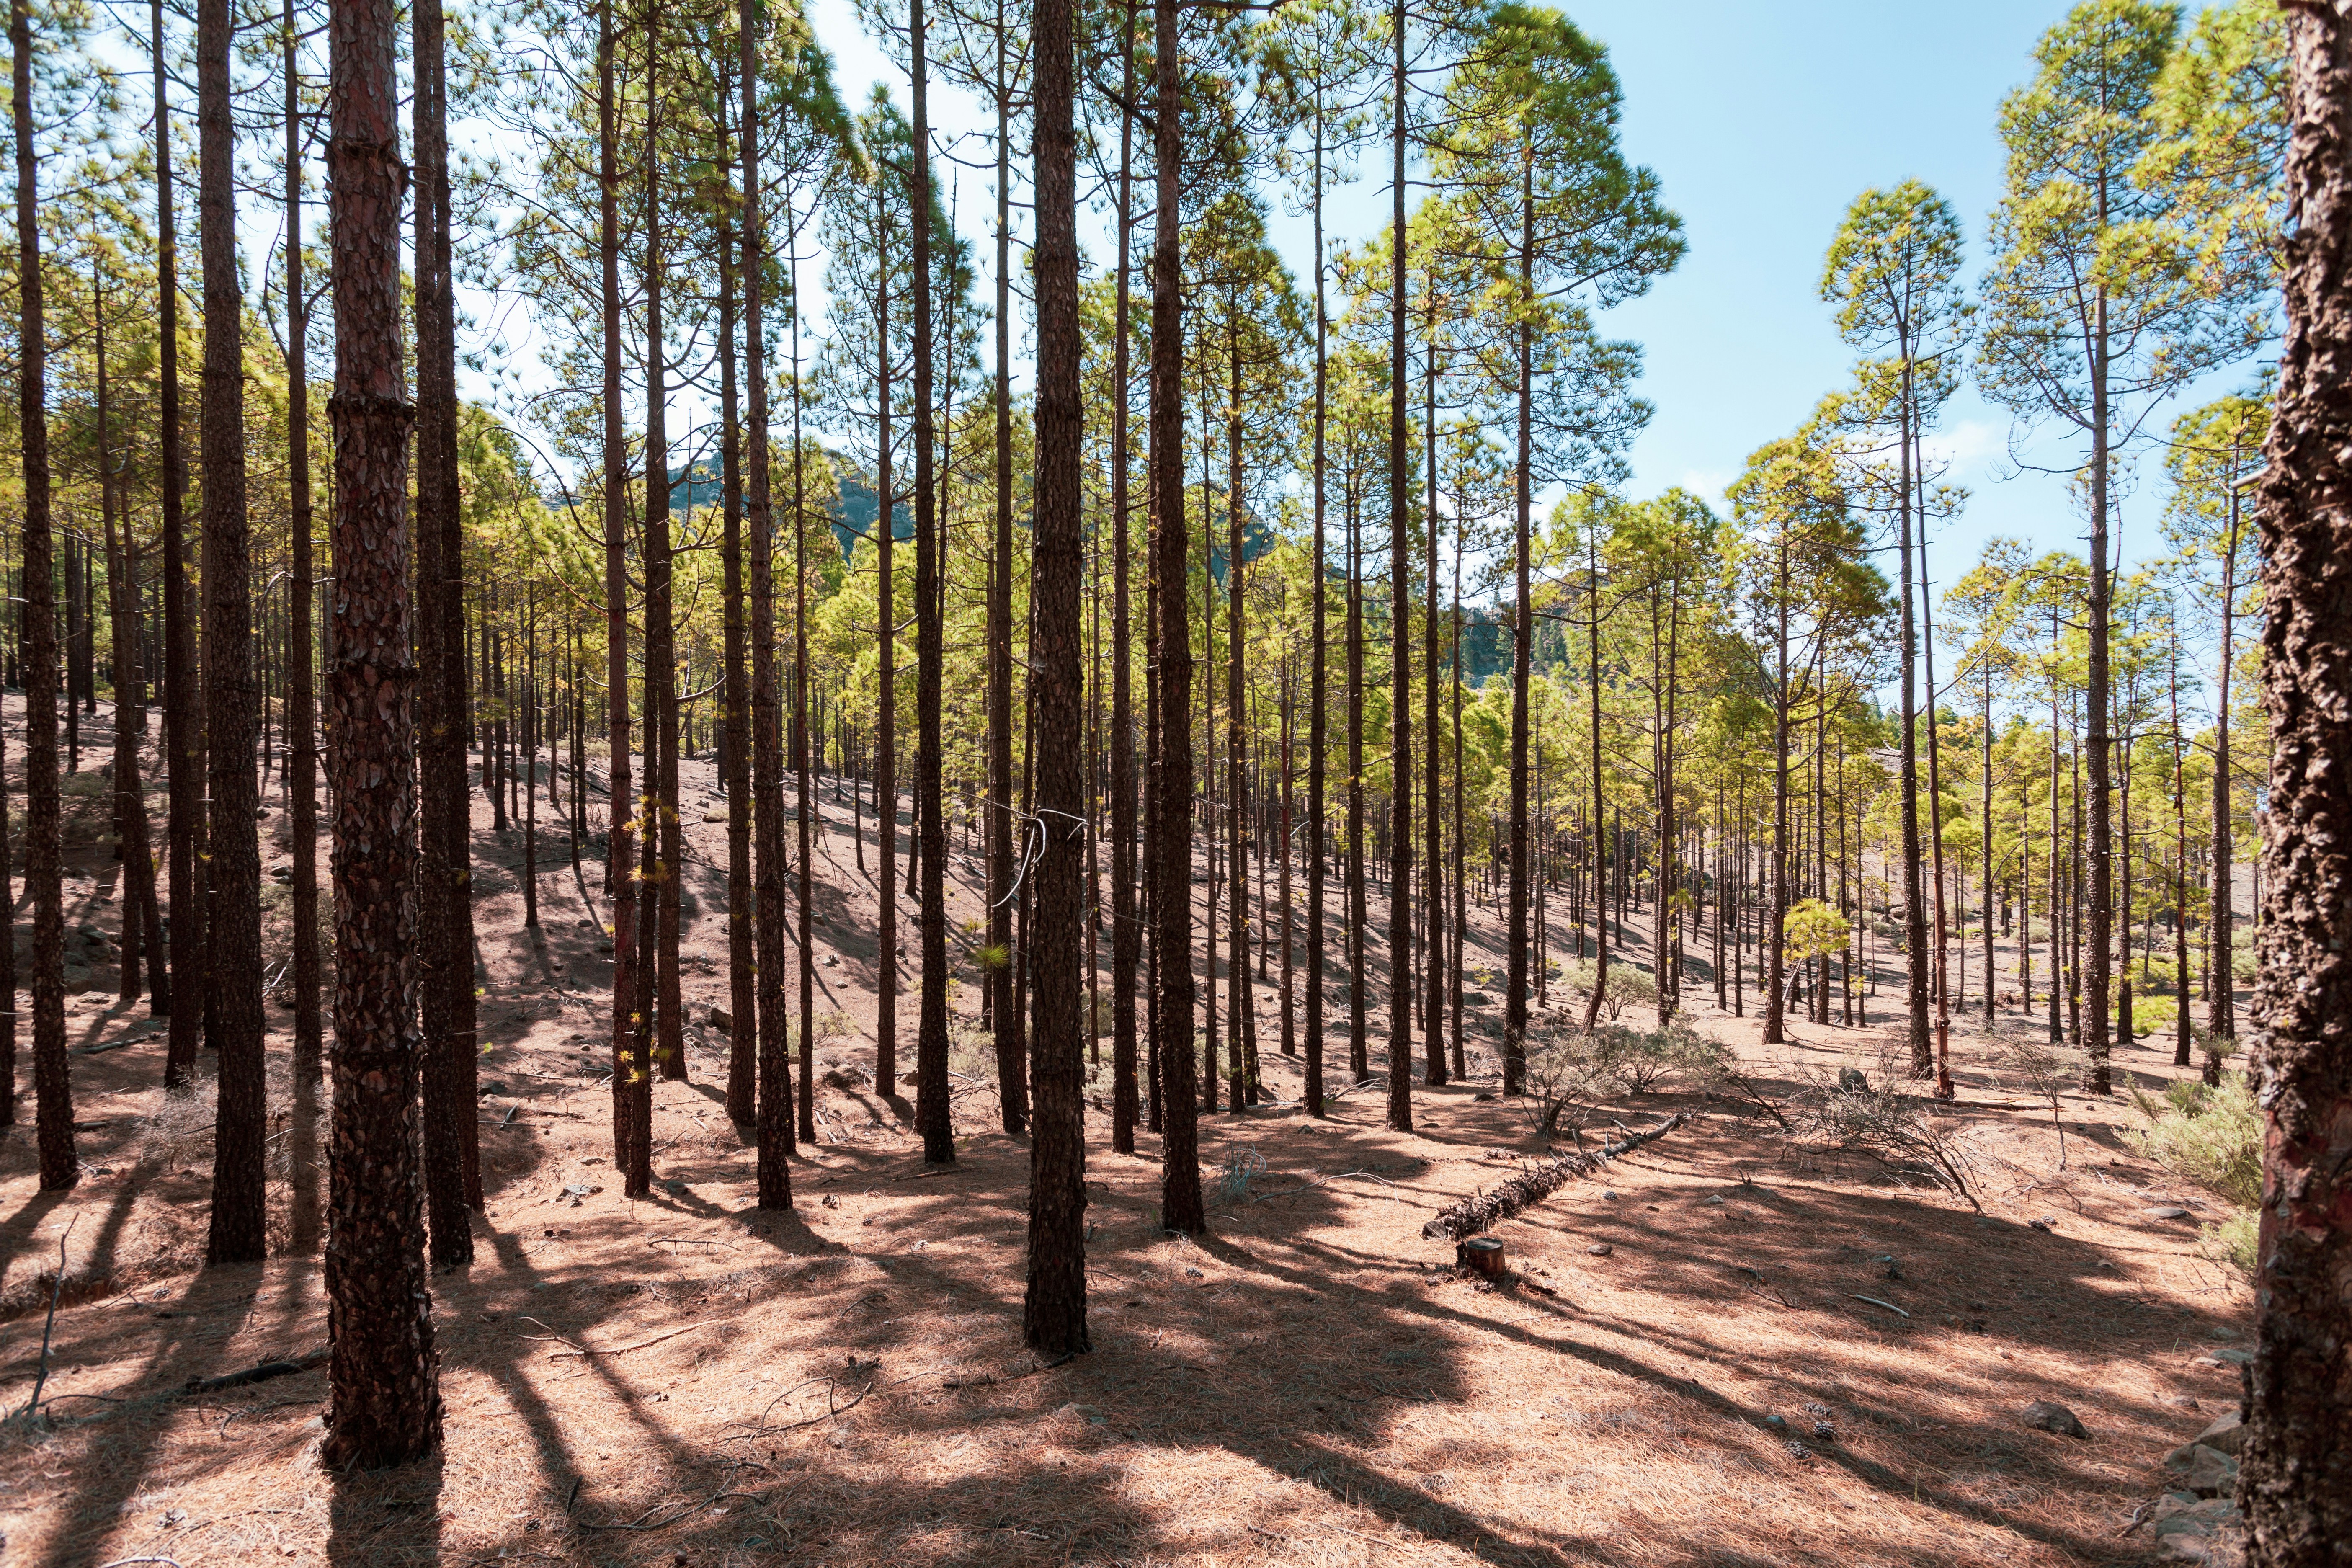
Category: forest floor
[687,1381]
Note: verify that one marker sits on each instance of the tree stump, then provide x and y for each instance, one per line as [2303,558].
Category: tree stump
[1481,1254]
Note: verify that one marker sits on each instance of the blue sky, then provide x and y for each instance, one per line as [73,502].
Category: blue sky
[1763,121]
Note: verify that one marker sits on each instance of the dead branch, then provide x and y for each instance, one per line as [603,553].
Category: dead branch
[260,1374]
[624,1350]
[1474,1213]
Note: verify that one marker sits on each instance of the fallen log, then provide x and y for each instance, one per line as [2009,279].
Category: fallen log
[1475,1213]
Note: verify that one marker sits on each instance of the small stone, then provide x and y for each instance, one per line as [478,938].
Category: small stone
[720,1018]
[1600,1249]
[1776,1423]
[1852,1081]
[2167,1211]
[673,1187]
[2226,1434]
[2206,1471]
[2187,1530]
[2045,1415]
[1608,1194]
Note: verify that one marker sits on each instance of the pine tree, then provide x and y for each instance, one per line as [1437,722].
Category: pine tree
[2296,1482]
[382,1378]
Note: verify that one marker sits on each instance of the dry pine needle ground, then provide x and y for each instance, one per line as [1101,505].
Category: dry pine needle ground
[1309,1383]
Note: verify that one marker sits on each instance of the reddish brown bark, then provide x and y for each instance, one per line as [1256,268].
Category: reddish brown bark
[232,696]
[384,1391]
[1054,1315]
[2296,1481]
[444,892]
[775,1086]
[53,1103]
[1176,1095]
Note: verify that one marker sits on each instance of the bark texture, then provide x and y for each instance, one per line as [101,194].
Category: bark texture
[52,1099]
[232,696]
[383,1384]
[775,1098]
[183,741]
[1176,1095]
[1054,1315]
[444,893]
[2296,1485]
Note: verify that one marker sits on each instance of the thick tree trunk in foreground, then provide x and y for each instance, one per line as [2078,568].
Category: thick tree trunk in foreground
[232,698]
[53,1101]
[2296,1483]
[1054,1315]
[383,1385]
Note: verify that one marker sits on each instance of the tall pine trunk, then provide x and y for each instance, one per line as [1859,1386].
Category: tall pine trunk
[1125,935]
[232,700]
[629,992]
[1054,1315]
[930,837]
[1171,766]
[301,757]
[1400,499]
[445,895]
[1515,992]
[182,723]
[52,1096]
[383,1377]
[735,767]
[774,1100]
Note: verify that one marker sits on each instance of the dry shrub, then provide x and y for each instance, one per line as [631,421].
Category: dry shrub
[1568,1068]
[179,1135]
[971,1050]
[1913,1137]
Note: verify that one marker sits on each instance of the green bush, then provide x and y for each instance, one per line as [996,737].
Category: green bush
[1814,930]
[2234,1240]
[1644,1060]
[1627,985]
[2211,1136]
[2154,1014]
[1568,1068]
